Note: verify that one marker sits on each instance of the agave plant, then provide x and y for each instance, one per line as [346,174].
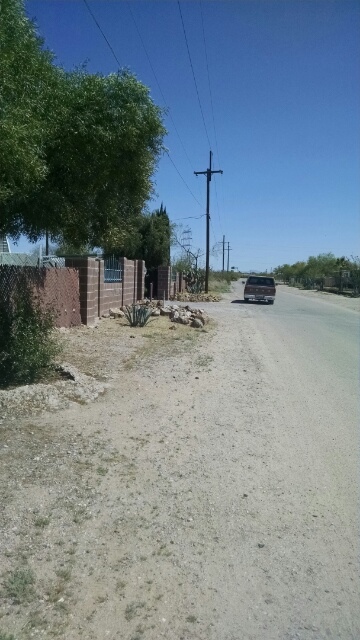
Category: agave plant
[137,315]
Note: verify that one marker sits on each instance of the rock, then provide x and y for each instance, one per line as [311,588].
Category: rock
[105,315]
[116,313]
[174,315]
[156,312]
[196,323]
[165,311]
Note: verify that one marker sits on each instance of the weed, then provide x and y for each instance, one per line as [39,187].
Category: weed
[42,522]
[191,619]
[56,591]
[6,636]
[131,610]
[19,585]
[204,361]
[102,471]
[64,574]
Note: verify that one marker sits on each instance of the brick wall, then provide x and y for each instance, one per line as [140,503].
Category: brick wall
[88,269]
[181,282]
[97,296]
[109,293]
[164,282]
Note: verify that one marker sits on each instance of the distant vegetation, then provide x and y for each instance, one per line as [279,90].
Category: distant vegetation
[323,271]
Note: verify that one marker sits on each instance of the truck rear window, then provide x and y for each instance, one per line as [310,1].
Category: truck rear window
[265,282]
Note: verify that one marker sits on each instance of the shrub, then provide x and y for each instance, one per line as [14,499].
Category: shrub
[137,315]
[27,342]
[19,585]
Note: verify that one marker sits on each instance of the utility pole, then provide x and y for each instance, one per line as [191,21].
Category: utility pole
[208,173]
[228,256]
[223,254]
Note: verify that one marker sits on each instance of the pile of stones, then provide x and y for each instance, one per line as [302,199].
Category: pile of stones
[196,297]
[195,318]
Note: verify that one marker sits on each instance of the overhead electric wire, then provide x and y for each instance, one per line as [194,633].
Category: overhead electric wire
[191,217]
[185,183]
[114,54]
[157,82]
[102,33]
[212,110]
[208,76]
[193,73]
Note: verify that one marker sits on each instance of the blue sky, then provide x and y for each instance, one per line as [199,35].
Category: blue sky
[279,88]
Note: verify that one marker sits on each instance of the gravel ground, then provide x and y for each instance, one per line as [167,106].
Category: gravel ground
[197,498]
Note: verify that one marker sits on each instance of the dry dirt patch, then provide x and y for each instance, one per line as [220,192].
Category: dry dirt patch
[52,484]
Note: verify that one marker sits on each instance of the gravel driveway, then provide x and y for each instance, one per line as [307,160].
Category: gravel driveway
[211,494]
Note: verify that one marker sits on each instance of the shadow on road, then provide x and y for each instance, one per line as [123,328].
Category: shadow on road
[238,302]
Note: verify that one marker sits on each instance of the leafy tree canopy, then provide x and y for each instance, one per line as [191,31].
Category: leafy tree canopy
[93,143]
[27,79]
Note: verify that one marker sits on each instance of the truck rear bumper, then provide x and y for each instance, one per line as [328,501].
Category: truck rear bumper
[253,296]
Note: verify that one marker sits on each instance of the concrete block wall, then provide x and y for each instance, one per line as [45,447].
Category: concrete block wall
[129,278]
[164,282]
[88,269]
[180,282]
[97,296]
[141,271]
[110,293]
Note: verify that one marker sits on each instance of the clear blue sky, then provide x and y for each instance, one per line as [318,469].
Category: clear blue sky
[279,87]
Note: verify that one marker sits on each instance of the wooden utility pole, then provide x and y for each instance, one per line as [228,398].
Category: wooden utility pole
[208,173]
[223,243]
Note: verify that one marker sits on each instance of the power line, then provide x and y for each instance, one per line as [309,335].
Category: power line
[192,69]
[114,54]
[212,107]
[157,82]
[102,33]
[208,76]
[185,183]
[190,217]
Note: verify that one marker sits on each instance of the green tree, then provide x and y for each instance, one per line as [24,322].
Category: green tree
[95,143]
[27,80]
[156,232]
[148,239]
